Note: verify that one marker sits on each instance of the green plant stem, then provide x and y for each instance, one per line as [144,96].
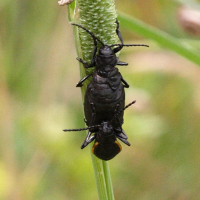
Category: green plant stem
[108,180]
[98,16]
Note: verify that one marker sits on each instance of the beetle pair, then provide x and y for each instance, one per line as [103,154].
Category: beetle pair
[105,98]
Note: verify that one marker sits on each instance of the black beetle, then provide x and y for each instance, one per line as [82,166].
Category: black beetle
[105,93]
[106,59]
[105,135]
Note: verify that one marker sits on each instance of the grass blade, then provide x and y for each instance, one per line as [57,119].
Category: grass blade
[162,38]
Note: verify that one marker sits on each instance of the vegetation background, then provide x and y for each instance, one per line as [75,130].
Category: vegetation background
[38,98]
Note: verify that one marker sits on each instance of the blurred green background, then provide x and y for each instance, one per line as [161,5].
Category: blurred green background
[38,98]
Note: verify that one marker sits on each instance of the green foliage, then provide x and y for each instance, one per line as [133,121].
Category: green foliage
[162,38]
[38,75]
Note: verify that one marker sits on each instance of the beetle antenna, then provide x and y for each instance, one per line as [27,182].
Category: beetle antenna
[129,45]
[127,106]
[92,34]
[117,114]
[81,129]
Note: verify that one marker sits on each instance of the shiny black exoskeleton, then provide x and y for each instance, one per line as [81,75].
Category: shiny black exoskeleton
[105,135]
[106,145]
[105,93]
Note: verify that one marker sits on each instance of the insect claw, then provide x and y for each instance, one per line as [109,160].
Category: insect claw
[79,85]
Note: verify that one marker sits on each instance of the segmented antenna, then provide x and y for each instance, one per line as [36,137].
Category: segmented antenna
[82,129]
[117,114]
[92,34]
[95,38]
[127,106]
[129,45]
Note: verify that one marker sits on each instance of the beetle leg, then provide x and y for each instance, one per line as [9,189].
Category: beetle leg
[118,32]
[92,64]
[117,48]
[88,139]
[126,85]
[79,84]
[93,55]
[121,135]
[122,63]
[123,140]
[85,64]
[125,136]
[119,36]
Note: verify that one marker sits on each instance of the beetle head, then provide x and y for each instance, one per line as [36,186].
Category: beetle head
[106,51]
[106,128]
